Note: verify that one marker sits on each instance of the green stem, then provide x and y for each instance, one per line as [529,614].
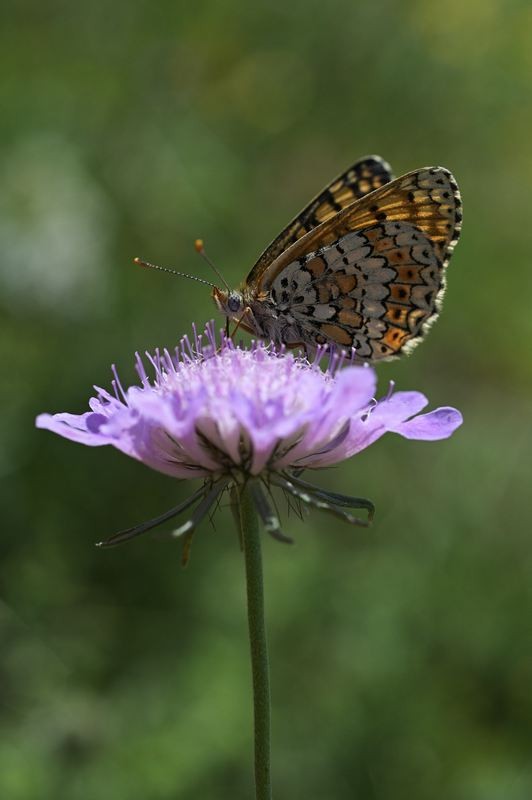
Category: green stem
[249,527]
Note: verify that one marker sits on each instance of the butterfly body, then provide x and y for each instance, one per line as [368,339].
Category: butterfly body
[363,266]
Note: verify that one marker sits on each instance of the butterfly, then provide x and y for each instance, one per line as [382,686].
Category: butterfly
[362,266]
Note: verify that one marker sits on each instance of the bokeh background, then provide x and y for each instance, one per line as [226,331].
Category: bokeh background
[402,656]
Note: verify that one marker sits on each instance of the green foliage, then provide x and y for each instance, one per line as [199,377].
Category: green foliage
[402,656]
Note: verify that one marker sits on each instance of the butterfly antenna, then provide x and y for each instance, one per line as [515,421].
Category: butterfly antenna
[171,271]
[198,246]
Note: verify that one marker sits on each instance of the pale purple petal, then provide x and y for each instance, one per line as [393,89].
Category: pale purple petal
[83,428]
[400,406]
[369,426]
[438,424]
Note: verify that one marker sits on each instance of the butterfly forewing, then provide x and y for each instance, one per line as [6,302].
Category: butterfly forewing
[363,177]
[427,198]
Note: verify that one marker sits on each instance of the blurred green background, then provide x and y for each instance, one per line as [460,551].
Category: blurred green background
[402,656]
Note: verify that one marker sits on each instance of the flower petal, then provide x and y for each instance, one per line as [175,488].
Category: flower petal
[83,428]
[397,408]
[354,387]
[438,424]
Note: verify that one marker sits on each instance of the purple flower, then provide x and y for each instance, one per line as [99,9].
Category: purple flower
[229,414]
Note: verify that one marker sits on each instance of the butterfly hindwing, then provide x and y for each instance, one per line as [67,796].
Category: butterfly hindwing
[376,290]
[363,177]
[427,199]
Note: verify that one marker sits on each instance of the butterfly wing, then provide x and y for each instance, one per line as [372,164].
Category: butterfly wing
[376,290]
[363,177]
[427,198]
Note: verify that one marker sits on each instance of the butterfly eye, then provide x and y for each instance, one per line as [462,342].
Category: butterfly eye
[233,302]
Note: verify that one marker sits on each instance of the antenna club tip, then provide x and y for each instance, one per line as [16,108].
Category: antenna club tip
[139,261]
[198,246]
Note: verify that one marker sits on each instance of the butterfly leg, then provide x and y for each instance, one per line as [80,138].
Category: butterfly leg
[240,323]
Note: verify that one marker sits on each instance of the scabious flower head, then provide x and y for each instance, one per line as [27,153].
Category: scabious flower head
[227,414]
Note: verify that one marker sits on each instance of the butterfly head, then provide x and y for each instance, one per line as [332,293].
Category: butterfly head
[230,303]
